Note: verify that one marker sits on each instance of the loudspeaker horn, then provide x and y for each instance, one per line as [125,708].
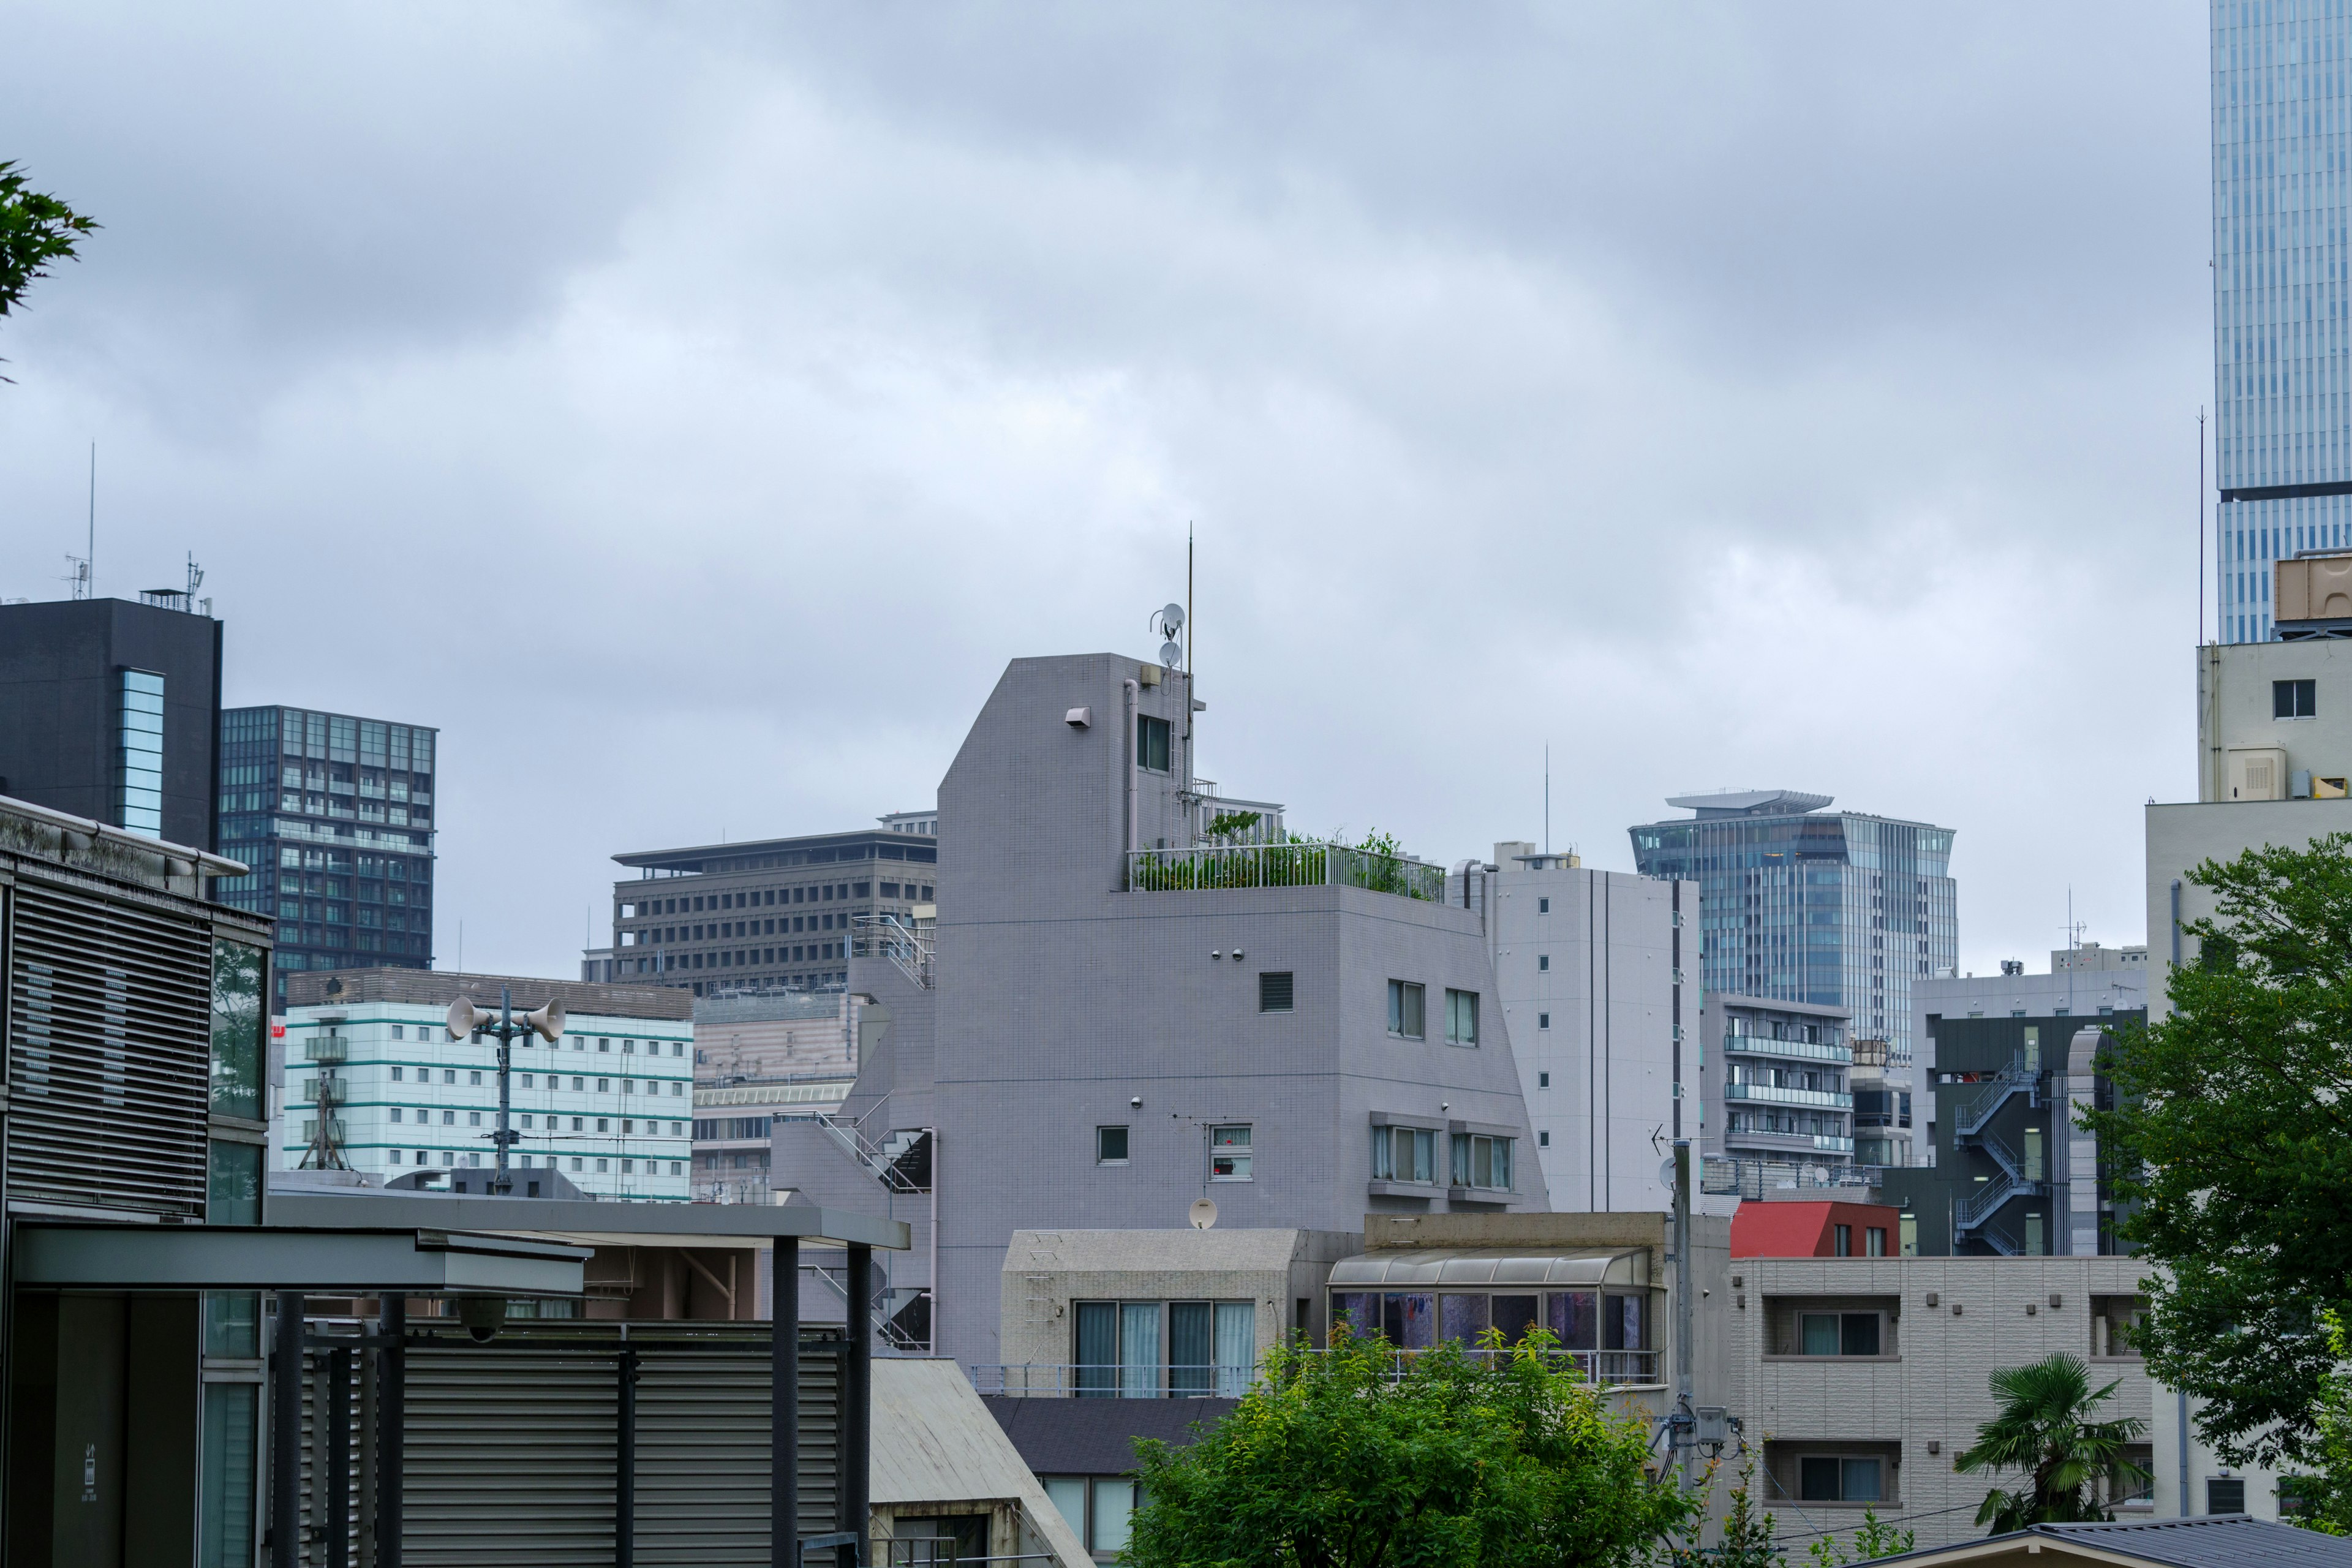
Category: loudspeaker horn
[546,1022]
[463,1019]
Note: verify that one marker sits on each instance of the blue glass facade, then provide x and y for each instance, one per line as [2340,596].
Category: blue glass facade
[334,814]
[2281,161]
[1832,908]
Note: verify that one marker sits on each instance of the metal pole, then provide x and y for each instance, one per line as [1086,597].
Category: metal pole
[785,1432]
[933,1133]
[286,1435]
[1685,1302]
[502,1183]
[390,1411]
[857,1395]
[338,1510]
[624,1479]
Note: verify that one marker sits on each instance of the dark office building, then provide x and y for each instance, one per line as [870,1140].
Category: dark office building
[334,814]
[109,709]
[776,914]
[2013,1174]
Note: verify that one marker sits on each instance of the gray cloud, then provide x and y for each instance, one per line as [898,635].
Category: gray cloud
[690,413]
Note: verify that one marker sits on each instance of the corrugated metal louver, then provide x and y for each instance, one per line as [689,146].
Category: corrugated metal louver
[109,1051]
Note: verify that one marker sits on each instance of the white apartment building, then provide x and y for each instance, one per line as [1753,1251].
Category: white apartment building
[1590,969]
[366,1075]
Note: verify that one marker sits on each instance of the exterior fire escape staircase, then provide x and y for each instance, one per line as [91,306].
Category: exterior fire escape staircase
[1972,1129]
[901,1164]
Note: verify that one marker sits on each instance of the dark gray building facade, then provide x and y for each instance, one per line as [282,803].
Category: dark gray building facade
[772,914]
[108,711]
[334,814]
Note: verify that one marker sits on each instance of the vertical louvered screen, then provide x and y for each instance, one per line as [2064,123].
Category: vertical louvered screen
[511,1448]
[109,1051]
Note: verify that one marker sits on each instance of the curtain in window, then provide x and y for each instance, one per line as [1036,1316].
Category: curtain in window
[1236,1347]
[1138,1349]
[1192,1352]
[1097,1349]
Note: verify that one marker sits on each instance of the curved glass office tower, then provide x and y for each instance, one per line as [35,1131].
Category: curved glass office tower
[2281,160]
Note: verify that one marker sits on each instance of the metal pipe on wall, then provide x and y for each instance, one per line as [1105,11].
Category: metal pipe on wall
[392,1418]
[624,1464]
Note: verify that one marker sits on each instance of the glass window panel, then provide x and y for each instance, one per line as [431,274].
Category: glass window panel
[1098,1348]
[1462,1319]
[233,1324]
[1236,1347]
[1514,1315]
[1069,1494]
[233,1193]
[1191,1347]
[1362,1310]
[1418,1320]
[1861,1481]
[226,1463]
[1576,1319]
[1113,1502]
[1859,1335]
[1821,1334]
[1138,1349]
[238,1019]
[1818,1480]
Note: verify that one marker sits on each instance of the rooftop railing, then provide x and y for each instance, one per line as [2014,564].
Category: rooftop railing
[1803,1050]
[1297,865]
[1047,1379]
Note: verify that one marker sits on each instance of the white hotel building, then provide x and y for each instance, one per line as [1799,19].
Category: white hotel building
[365,1073]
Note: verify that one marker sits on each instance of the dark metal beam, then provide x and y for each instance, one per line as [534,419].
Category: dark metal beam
[857,1396]
[286,1434]
[337,1512]
[785,1432]
[392,1418]
[624,1468]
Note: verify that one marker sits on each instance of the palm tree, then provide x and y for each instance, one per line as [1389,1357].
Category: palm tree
[2045,1428]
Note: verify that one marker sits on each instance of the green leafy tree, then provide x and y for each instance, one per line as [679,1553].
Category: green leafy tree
[1349,1459]
[1745,1539]
[2323,1500]
[2229,1142]
[35,231]
[2047,1427]
[1873,1538]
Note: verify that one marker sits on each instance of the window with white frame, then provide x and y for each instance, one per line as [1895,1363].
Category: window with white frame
[1461,1017]
[1229,1152]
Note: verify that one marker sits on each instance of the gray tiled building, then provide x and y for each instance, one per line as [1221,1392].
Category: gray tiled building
[1113,1019]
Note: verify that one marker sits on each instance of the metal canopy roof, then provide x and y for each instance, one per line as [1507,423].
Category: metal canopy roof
[1752,801]
[599,1223]
[422,1262]
[1492,1267]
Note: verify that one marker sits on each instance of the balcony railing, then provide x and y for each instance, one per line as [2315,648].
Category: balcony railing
[1045,1380]
[1300,865]
[1800,1050]
[1604,1367]
[327,1048]
[906,945]
[1823,1099]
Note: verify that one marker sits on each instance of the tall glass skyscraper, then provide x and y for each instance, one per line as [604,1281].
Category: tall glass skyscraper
[2282,163]
[1805,905]
[334,814]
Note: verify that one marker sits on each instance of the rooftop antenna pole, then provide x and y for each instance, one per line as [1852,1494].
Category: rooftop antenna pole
[89,559]
[1547,797]
[2201,532]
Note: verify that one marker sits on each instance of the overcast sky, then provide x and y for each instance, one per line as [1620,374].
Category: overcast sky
[689,413]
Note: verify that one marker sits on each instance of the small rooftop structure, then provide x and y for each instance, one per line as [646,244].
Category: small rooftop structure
[1808,1229]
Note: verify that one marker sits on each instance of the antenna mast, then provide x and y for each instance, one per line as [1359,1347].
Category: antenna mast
[2201,532]
[89,559]
[1547,797]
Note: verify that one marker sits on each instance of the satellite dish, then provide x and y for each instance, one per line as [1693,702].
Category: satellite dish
[1666,1173]
[1204,1213]
[1170,653]
[462,1018]
[1172,617]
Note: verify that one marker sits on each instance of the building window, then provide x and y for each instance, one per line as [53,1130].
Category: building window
[1543,963]
[1461,1017]
[1839,1333]
[1543,1080]
[1839,1477]
[1152,1350]
[1843,1238]
[2294,698]
[1543,1140]
[1480,1161]
[1543,906]
[1097,1509]
[1273,991]
[138,786]
[1110,1145]
[2113,1319]
[1151,743]
[1543,1020]
[1875,1241]
[1404,1154]
[2225,1494]
[1405,1009]
[1229,1154]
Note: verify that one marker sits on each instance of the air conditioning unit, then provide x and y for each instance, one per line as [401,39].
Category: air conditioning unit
[2257,773]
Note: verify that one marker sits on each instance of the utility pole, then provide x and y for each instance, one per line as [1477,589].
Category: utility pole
[467,1021]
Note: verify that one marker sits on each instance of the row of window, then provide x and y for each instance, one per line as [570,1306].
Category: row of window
[529,1118]
[1229,1150]
[819,893]
[428,1032]
[1578,1319]
[783,925]
[554,1081]
[1865,1328]
[1409,1155]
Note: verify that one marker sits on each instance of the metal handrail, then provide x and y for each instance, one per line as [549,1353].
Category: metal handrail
[1599,1366]
[1302,864]
[1774,1094]
[1051,1380]
[885,936]
[1970,1114]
